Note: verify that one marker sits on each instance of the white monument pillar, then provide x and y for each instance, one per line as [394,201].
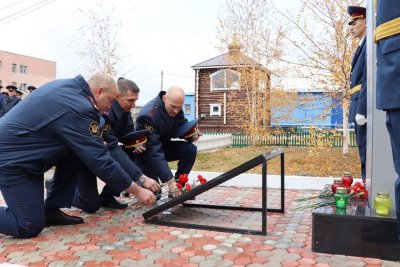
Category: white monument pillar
[380,171]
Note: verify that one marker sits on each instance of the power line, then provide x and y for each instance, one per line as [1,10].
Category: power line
[26,11]
[10,5]
[148,78]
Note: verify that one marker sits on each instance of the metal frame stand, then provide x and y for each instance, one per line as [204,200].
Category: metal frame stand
[263,159]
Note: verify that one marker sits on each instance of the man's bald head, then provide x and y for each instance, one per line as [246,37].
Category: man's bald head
[104,90]
[173,100]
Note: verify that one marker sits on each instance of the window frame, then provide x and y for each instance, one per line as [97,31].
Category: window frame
[185,109]
[217,113]
[225,71]
[14,67]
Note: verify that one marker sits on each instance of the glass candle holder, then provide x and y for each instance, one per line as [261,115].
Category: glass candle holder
[341,197]
[347,179]
[336,183]
[382,203]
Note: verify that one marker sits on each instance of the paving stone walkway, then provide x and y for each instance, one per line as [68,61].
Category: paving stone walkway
[121,238]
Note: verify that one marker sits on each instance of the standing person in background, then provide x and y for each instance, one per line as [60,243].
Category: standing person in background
[9,102]
[19,94]
[163,117]
[387,36]
[358,91]
[63,131]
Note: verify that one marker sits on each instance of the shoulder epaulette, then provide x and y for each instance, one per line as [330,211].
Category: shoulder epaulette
[152,111]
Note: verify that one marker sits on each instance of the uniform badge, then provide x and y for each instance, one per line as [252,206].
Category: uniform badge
[148,127]
[94,128]
[106,128]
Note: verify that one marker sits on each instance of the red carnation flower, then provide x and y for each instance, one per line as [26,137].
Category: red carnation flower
[187,187]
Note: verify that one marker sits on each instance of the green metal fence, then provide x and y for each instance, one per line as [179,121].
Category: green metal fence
[294,139]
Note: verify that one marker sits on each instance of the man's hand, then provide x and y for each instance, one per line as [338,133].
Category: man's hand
[361,119]
[142,194]
[139,150]
[197,137]
[173,189]
[151,184]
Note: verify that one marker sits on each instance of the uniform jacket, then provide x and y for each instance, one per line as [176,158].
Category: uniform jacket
[358,67]
[7,104]
[162,127]
[58,119]
[119,123]
[388,59]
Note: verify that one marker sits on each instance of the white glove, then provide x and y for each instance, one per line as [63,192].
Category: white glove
[361,119]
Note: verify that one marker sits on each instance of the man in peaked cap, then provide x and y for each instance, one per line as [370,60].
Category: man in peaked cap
[162,117]
[2,95]
[118,128]
[31,88]
[19,94]
[387,37]
[358,84]
[9,102]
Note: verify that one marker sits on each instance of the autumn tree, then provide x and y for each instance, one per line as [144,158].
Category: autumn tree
[322,48]
[99,43]
[255,48]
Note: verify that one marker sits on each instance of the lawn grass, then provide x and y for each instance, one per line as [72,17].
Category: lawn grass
[301,161]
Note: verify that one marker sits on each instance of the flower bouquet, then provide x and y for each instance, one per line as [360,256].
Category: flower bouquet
[355,192]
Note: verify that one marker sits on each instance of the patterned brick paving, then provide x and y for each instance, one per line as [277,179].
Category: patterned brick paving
[116,238]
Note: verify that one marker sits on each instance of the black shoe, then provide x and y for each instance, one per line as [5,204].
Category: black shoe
[109,201]
[54,216]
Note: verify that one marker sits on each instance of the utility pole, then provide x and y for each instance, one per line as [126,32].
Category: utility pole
[162,80]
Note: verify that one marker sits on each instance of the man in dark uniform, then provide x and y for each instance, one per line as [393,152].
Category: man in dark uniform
[118,124]
[2,96]
[387,36]
[31,88]
[19,94]
[358,91]
[163,116]
[63,131]
[9,102]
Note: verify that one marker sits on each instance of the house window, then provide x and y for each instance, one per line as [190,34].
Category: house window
[215,109]
[22,87]
[225,80]
[187,109]
[14,67]
[14,83]
[23,69]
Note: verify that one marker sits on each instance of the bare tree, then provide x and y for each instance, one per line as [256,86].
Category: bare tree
[99,45]
[255,48]
[322,49]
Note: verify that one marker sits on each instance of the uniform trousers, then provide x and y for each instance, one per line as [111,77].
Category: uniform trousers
[361,137]
[182,151]
[25,215]
[393,126]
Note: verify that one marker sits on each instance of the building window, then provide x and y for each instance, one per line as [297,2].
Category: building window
[225,80]
[14,83]
[215,109]
[23,69]
[187,109]
[14,67]
[1,82]
[22,87]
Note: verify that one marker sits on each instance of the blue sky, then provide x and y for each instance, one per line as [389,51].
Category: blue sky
[155,36]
